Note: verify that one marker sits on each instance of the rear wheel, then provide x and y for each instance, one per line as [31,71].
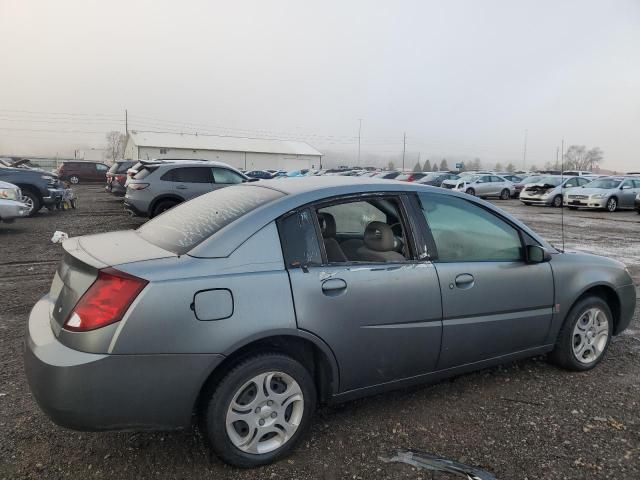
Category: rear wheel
[74,179]
[260,410]
[470,191]
[32,201]
[557,201]
[505,194]
[585,335]
[612,204]
[163,206]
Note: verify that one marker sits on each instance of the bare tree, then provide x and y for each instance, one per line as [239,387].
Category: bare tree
[391,165]
[498,167]
[115,145]
[578,157]
[427,166]
[510,167]
[533,168]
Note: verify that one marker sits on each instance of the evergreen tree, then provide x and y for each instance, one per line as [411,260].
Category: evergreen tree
[427,166]
[417,167]
[510,167]
[443,165]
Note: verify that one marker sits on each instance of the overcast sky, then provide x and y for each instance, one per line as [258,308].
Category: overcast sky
[462,78]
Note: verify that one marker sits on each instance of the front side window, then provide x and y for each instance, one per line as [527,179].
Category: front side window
[465,232]
[101,167]
[223,175]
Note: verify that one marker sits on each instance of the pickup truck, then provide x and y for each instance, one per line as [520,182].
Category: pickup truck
[39,189]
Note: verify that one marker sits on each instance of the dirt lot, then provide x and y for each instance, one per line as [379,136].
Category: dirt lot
[523,420]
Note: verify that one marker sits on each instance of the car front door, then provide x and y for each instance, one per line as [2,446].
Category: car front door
[627,194]
[379,314]
[483,186]
[190,182]
[223,177]
[493,302]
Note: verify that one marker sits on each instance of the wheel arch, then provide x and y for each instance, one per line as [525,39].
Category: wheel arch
[304,347]
[607,293]
[164,196]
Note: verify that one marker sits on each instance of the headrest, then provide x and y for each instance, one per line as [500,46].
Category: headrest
[327,225]
[379,236]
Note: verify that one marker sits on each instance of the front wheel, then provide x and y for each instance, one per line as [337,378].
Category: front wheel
[557,201]
[585,335]
[32,201]
[260,410]
[470,191]
[505,194]
[612,204]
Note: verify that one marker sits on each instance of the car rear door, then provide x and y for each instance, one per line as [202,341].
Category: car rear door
[493,302]
[382,319]
[483,186]
[627,194]
[190,182]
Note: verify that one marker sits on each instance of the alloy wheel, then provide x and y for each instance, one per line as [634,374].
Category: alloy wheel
[73,179]
[28,201]
[612,204]
[265,413]
[590,335]
[557,201]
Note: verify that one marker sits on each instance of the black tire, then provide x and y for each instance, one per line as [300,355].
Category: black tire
[573,208]
[557,201]
[526,203]
[563,354]
[162,206]
[612,204]
[32,200]
[216,408]
[505,194]
[470,191]
[74,179]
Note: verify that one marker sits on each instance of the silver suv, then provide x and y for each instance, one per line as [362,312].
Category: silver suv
[160,184]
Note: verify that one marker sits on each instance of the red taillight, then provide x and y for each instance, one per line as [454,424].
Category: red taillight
[120,178]
[106,301]
[410,179]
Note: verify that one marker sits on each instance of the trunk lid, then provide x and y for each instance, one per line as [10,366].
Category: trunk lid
[84,257]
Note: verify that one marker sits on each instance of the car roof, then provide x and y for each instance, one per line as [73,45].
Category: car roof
[300,191]
[185,163]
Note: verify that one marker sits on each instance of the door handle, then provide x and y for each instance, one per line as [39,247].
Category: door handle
[464,280]
[182,187]
[334,286]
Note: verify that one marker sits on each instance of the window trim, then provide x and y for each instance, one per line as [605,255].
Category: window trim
[431,240]
[405,218]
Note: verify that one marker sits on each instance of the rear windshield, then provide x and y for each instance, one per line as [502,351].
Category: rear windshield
[183,227]
[144,171]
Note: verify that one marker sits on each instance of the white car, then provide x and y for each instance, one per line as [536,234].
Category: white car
[11,206]
[489,185]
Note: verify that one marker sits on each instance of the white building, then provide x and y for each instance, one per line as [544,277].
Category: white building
[239,152]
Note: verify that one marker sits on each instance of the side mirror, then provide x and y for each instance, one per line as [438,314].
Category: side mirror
[537,254]
[625,187]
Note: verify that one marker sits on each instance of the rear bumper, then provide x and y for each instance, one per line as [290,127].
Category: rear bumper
[131,208]
[116,189]
[627,296]
[88,391]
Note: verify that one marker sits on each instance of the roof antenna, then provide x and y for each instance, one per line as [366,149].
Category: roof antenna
[562,188]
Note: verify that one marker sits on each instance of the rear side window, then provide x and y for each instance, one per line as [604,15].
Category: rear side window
[222,175]
[185,226]
[299,240]
[188,175]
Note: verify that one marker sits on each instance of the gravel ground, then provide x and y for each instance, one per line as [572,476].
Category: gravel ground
[522,420]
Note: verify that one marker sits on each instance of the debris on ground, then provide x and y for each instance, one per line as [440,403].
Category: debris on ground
[434,463]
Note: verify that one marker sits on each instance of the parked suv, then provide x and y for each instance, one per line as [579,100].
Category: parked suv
[161,185]
[117,177]
[39,189]
[76,172]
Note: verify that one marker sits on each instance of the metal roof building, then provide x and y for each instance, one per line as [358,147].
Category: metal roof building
[240,152]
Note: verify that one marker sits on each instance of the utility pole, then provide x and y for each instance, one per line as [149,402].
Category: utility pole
[404,148]
[524,152]
[126,121]
[359,133]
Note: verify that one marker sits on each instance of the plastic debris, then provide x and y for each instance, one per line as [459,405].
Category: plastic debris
[59,237]
[438,464]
